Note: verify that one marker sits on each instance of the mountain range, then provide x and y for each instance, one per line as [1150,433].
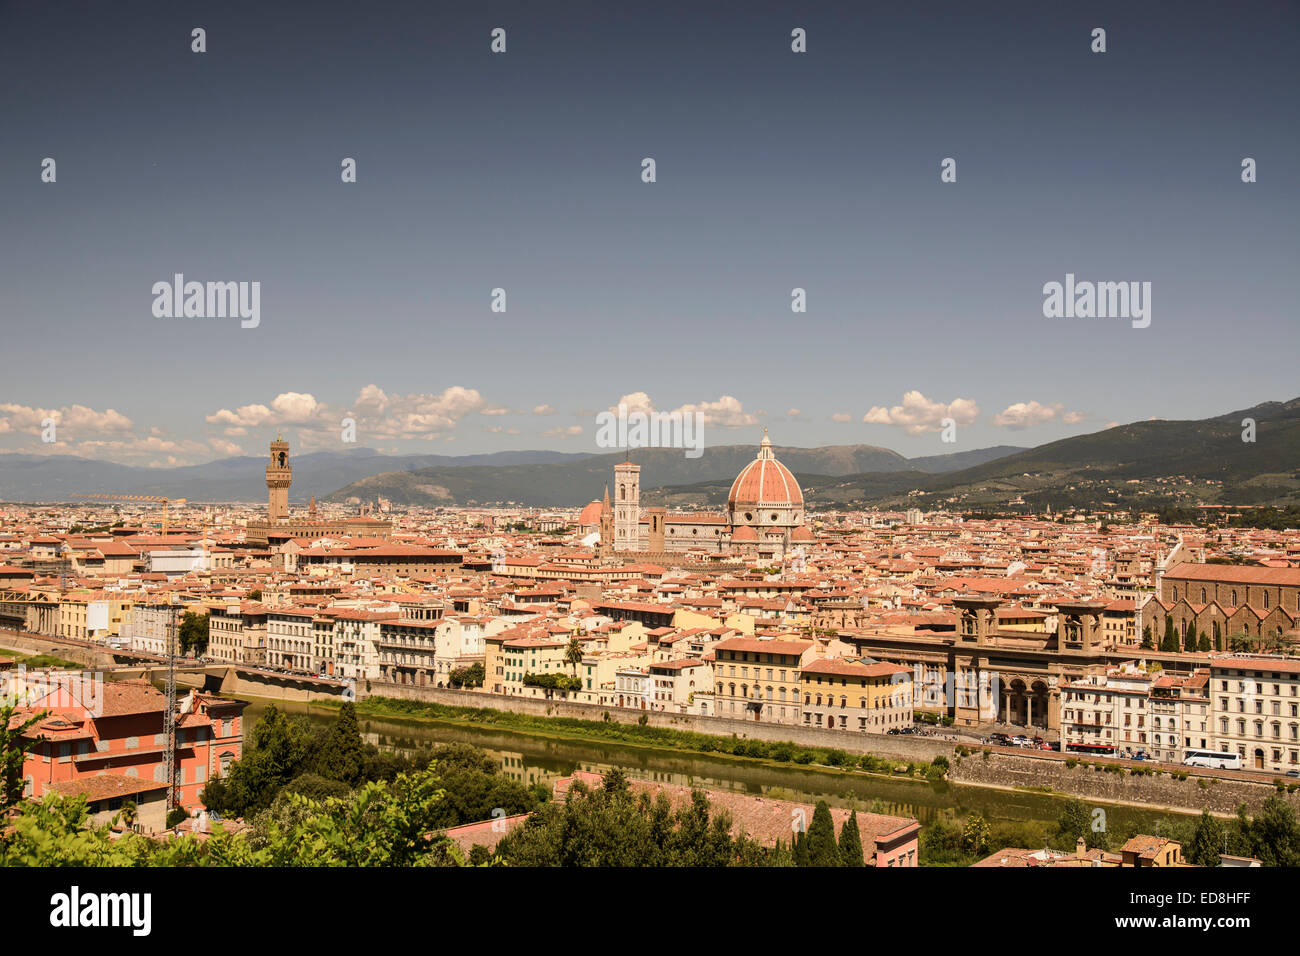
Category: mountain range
[1145,465]
[58,477]
[1148,464]
[571,483]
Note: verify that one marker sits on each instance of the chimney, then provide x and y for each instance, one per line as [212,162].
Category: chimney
[1081,848]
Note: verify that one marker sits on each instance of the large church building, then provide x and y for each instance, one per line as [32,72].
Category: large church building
[764,516]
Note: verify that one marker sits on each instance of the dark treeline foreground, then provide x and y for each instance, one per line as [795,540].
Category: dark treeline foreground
[319,796]
[310,796]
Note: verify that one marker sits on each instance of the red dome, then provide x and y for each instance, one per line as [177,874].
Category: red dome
[743,533]
[765,482]
[801,534]
[590,515]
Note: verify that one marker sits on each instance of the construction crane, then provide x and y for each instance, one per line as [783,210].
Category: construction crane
[169,723]
[165,502]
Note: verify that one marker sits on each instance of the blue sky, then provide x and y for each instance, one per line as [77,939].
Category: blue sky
[521,171]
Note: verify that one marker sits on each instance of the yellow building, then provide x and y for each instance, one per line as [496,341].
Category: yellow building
[758,679]
[93,615]
[521,656]
[850,694]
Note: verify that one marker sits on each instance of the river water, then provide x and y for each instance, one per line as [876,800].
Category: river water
[531,759]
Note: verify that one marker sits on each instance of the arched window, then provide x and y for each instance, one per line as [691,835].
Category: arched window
[1202,595]
[1265,600]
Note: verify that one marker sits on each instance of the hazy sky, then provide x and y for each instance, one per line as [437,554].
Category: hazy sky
[522,171]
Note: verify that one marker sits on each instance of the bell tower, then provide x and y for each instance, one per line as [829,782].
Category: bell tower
[627,507]
[279,476]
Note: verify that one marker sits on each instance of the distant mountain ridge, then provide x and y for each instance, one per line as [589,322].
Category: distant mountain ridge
[57,477]
[1148,464]
[1145,465]
[571,484]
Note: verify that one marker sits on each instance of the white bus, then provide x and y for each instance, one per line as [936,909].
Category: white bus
[1213,759]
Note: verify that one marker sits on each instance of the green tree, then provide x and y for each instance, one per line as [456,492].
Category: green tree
[799,850]
[472,676]
[278,752]
[342,756]
[1192,641]
[1207,842]
[851,842]
[193,635]
[1075,822]
[1170,642]
[941,843]
[822,848]
[612,826]
[1147,643]
[1274,833]
[573,654]
[975,837]
[15,743]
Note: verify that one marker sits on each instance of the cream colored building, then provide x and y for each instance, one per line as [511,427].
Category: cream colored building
[1255,702]
[756,679]
[854,695]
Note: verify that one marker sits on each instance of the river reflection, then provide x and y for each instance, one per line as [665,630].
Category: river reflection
[537,760]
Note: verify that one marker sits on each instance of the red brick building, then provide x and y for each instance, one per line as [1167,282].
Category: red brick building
[121,731]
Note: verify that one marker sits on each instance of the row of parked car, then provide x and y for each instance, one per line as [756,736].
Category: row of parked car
[1019,740]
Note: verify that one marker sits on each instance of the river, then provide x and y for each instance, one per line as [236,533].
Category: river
[532,759]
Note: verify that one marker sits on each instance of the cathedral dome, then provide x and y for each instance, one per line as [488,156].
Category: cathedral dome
[590,515]
[764,483]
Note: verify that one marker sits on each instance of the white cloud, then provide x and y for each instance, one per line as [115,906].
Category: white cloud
[918,414]
[1028,414]
[726,412]
[541,410]
[379,415]
[570,431]
[71,421]
[841,418]
[635,402]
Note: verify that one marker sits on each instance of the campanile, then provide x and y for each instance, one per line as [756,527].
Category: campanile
[279,476]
